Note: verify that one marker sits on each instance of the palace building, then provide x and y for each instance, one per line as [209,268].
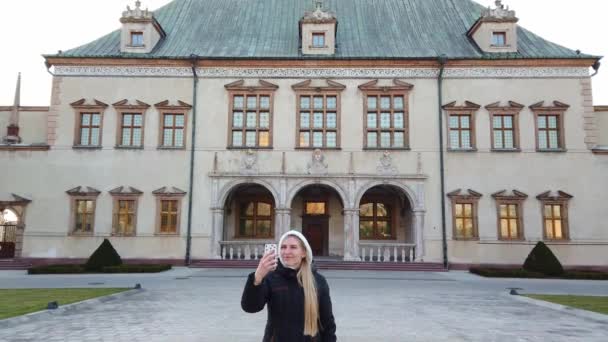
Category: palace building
[435,131]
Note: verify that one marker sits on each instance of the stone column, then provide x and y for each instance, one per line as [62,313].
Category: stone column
[419,234]
[19,241]
[216,233]
[282,221]
[351,235]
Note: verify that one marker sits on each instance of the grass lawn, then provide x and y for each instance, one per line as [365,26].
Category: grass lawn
[591,303]
[16,302]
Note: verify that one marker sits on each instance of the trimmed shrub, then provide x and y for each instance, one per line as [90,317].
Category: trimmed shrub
[126,268]
[57,269]
[542,260]
[505,273]
[590,275]
[105,255]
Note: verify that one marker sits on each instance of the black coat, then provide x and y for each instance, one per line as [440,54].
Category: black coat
[285,298]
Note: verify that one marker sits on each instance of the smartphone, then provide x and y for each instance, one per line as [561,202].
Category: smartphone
[271,247]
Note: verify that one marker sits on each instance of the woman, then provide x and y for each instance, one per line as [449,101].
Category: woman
[299,305]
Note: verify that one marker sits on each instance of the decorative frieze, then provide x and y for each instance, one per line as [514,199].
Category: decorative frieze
[490,72]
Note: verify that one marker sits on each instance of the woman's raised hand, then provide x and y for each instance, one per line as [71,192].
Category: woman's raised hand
[267,263]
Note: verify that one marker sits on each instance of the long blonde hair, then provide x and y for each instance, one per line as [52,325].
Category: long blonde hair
[311,304]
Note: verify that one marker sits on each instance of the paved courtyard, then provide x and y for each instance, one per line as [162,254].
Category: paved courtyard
[204,305]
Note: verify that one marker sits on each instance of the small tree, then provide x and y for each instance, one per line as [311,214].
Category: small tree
[542,260]
[104,255]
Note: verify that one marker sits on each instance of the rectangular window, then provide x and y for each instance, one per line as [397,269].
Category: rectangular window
[503,131]
[553,215]
[173,130]
[386,121]
[318,40]
[255,220]
[131,130]
[499,38]
[460,131]
[315,208]
[549,131]
[251,120]
[168,216]
[90,129]
[318,121]
[137,39]
[464,220]
[124,217]
[83,216]
[509,223]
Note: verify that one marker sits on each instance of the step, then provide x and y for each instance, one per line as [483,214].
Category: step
[329,265]
[12,264]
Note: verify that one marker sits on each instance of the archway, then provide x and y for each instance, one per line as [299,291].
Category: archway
[317,211]
[9,222]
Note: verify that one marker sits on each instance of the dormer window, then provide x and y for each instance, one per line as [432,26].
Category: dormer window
[140,31]
[137,39]
[499,38]
[318,40]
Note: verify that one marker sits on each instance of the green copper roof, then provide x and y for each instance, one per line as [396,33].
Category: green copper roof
[383,29]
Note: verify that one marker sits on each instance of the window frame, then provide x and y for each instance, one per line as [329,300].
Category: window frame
[558,109]
[166,194]
[516,198]
[562,200]
[513,110]
[254,199]
[80,108]
[312,40]
[306,88]
[239,88]
[503,34]
[123,108]
[392,219]
[124,194]
[472,198]
[81,194]
[133,33]
[163,109]
[468,109]
[400,89]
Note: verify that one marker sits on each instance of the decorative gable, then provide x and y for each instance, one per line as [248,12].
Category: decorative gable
[496,30]
[318,31]
[140,30]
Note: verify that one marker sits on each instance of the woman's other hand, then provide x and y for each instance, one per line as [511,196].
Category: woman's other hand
[267,263]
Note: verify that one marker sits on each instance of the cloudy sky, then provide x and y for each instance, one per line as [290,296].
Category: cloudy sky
[35,27]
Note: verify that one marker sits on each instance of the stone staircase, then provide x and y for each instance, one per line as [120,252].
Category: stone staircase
[330,265]
[14,264]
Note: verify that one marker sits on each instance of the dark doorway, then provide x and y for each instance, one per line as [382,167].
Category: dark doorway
[8,239]
[316,231]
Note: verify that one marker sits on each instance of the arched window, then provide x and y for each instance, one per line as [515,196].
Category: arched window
[375,221]
[8,216]
[255,219]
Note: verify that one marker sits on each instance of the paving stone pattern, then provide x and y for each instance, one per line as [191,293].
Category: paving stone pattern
[204,305]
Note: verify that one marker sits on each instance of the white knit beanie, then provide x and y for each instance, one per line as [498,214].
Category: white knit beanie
[304,242]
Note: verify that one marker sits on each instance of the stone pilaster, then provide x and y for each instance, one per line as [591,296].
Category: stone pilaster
[282,221]
[589,120]
[419,234]
[351,235]
[216,233]
[53,115]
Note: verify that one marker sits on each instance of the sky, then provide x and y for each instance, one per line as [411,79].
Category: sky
[31,28]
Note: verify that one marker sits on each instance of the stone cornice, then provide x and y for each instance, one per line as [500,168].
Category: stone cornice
[320,176]
[25,108]
[324,72]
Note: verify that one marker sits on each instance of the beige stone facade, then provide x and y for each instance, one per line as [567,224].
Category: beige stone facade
[288,175]
[454,160]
